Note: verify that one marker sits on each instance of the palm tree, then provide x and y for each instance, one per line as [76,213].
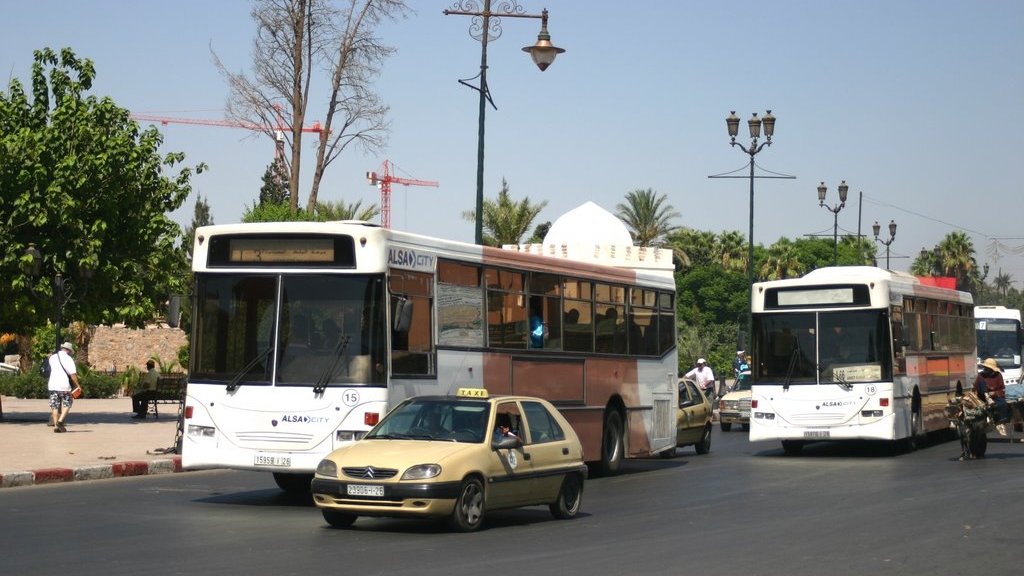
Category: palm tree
[328,211]
[733,250]
[647,217]
[1003,282]
[782,261]
[506,221]
[956,259]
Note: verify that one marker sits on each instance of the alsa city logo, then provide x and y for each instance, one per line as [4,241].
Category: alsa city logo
[299,419]
[836,403]
[403,258]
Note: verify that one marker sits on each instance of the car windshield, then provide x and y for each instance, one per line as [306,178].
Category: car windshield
[435,419]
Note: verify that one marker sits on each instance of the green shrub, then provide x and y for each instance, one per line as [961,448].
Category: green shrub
[33,386]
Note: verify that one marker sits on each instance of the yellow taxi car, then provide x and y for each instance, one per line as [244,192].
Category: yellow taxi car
[693,418]
[455,457]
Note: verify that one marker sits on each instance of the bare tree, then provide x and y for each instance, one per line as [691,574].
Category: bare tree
[295,41]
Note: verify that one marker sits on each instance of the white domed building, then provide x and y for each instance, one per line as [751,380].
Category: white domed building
[589,233]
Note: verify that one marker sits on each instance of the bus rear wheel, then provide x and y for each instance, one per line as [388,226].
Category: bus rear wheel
[611,443]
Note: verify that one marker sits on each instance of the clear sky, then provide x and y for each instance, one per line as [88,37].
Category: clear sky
[914,103]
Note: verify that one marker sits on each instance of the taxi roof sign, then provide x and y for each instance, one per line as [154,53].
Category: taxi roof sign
[472,393]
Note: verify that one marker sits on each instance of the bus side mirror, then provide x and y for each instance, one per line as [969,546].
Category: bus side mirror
[403,314]
[174,311]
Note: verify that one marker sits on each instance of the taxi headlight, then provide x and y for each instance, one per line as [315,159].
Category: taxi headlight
[327,468]
[422,472]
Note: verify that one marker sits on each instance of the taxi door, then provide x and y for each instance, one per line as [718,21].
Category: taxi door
[549,450]
[510,469]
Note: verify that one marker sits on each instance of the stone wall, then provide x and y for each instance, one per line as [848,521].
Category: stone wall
[116,347]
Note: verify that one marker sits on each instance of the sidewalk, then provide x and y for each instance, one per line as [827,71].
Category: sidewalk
[102,441]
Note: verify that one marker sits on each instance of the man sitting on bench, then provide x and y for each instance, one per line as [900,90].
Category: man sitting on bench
[141,398]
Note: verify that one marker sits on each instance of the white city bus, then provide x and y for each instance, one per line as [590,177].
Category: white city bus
[305,334]
[999,337]
[857,353]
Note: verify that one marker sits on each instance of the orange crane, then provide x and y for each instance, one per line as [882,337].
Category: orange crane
[279,129]
[384,180]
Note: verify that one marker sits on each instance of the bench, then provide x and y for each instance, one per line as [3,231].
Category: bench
[170,389]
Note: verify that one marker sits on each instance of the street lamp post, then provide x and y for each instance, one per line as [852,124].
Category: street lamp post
[843,190]
[732,122]
[63,288]
[486,26]
[876,228]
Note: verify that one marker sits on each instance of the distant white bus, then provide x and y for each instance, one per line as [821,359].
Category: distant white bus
[306,333]
[857,352]
[999,336]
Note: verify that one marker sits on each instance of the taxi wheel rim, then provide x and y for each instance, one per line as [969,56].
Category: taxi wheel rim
[471,503]
[572,492]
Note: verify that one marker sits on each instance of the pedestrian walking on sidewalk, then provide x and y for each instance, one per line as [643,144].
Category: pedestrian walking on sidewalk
[63,376]
[141,398]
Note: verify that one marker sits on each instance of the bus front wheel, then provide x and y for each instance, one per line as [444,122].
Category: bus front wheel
[293,483]
[611,443]
[792,447]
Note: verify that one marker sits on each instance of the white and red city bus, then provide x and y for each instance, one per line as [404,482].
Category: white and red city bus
[857,353]
[1000,337]
[305,333]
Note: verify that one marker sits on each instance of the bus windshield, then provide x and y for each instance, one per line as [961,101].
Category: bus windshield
[841,347]
[1000,339]
[305,330]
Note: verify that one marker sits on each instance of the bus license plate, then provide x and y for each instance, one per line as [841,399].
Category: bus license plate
[272,460]
[365,490]
[816,434]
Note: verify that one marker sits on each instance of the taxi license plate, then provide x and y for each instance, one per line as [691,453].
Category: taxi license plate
[364,490]
[744,413]
[816,434]
[272,460]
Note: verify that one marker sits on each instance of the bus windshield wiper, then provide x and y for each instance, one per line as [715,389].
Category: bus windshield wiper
[233,384]
[792,366]
[339,350]
[841,382]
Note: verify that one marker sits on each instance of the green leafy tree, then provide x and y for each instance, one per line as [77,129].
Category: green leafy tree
[540,232]
[276,213]
[80,181]
[782,262]
[275,184]
[648,216]
[506,221]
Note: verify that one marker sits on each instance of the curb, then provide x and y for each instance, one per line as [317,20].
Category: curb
[114,470]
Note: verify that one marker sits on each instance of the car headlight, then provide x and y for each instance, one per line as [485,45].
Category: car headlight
[327,468]
[422,472]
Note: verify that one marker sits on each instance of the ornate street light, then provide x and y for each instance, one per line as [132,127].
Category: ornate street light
[876,228]
[754,125]
[486,26]
[843,190]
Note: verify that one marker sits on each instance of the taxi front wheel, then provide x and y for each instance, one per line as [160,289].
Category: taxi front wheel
[338,519]
[468,514]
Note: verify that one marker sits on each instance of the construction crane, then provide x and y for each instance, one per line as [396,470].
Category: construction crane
[384,180]
[279,129]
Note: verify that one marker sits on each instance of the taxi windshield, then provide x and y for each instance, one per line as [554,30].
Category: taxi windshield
[447,420]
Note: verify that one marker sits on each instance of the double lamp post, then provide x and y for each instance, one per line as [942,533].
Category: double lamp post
[63,288]
[486,26]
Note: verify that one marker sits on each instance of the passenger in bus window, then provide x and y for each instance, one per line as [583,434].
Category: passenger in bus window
[538,329]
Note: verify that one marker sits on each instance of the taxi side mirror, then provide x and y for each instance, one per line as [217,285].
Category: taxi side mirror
[506,443]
